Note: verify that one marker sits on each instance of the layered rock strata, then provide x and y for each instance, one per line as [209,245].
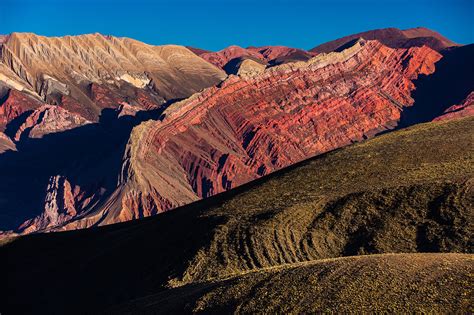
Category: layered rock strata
[250,126]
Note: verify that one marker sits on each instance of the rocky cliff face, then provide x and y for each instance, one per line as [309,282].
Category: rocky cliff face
[59,206]
[67,105]
[14,105]
[250,126]
[246,128]
[48,119]
[6,143]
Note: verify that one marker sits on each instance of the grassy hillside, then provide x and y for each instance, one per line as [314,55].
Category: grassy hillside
[407,191]
[401,283]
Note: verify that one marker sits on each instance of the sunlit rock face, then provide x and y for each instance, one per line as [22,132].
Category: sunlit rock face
[49,119]
[88,73]
[252,125]
[111,146]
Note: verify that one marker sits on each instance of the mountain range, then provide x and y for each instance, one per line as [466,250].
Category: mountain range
[169,179]
[99,129]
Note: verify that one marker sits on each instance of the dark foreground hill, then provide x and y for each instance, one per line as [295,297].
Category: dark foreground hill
[383,283]
[410,191]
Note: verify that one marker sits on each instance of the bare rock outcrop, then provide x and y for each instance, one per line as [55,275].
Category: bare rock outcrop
[67,70]
[6,143]
[49,119]
[222,57]
[59,205]
[250,126]
[16,103]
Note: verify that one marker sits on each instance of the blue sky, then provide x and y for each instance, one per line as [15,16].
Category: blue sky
[213,24]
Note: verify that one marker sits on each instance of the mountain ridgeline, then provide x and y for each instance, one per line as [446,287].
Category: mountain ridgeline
[101,117]
[120,130]
[338,179]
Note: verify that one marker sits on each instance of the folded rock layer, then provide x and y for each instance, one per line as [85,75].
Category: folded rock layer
[250,126]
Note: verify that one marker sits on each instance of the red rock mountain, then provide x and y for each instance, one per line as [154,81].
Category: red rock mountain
[222,57]
[392,37]
[113,150]
[272,55]
[282,54]
[250,126]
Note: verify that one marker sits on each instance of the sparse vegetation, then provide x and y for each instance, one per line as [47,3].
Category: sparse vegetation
[401,283]
[407,191]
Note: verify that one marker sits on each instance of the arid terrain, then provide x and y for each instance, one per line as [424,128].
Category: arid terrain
[121,130]
[169,179]
[392,194]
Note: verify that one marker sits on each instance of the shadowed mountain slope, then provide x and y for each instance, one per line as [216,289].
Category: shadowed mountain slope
[62,171]
[452,83]
[395,193]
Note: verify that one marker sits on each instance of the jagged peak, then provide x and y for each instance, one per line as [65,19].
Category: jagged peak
[28,36]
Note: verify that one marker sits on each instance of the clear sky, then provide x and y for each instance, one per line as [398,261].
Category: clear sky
[214,24]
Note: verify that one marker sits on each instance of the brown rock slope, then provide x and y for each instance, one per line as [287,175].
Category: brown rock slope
[400,283]
[392,37]
[392,194]
[87,73]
